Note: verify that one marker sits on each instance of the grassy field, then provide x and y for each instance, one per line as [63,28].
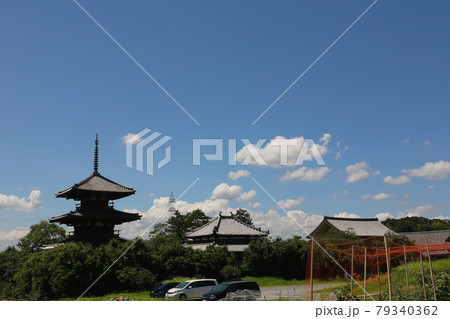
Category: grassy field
[398,278]
[144,295]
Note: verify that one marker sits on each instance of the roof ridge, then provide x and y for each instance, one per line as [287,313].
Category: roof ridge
[249,226]
[203,226]
[348,218]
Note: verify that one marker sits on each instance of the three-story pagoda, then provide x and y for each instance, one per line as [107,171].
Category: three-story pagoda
[94,218]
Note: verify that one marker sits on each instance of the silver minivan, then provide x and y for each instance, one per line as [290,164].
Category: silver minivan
[191,289]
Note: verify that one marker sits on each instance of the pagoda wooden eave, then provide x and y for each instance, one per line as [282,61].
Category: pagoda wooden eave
[98,186]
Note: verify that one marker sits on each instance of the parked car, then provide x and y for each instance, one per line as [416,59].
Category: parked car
[221,291]
[161,290]
[191,289]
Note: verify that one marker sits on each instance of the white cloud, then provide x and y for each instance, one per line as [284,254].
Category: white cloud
[285,226]
[357,172]
[12,202]
[347,215]
[158,213]
[382,196]
[383,216]
[397,180]
[338,155]
[255,205]
[431,171]
[151,194]
[431,187]
[426,143]
[376,173]
[421,210]
[233,192]
[225,191]
[10,238]
[271,152]
[130,135]
[238,174]
[246,196]
[290,203]
[306,175]
[406,140]
[441,217]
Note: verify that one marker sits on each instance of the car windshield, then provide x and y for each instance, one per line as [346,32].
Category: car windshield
[183,284]
[220,287]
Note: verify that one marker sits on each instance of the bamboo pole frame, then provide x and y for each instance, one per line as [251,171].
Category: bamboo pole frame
[423,275]
[431,270]
[378,275]
[388,266]
[406,272]
[351,276]
[311,281]
[365,273]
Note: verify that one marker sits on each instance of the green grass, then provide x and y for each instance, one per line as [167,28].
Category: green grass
[275,282]
[398,278]
[137,296]
[144,295]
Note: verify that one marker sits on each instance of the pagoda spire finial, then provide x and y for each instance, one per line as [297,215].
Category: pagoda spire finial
[96,156]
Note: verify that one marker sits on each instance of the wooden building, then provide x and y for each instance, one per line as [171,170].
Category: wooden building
[361,227]
[94,218]
[224,230]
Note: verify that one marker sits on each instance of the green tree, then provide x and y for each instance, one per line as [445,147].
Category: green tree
[41,234]
[243,216]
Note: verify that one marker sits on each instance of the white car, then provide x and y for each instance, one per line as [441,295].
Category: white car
[191,289]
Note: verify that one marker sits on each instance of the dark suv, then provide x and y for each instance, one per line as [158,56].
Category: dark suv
[160,291]
[220,291]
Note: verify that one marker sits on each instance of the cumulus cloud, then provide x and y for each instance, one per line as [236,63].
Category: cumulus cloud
[347,215]
[290,203]
[383,216]
[225,191]
[397,180]
[246,196]
[357,172]
[255,205]
[430,171]
[379,196]
[282,151]
[12,202]
[285,226]
[10,237]
[306,175]
[233,192]
[421,210]
[238,174]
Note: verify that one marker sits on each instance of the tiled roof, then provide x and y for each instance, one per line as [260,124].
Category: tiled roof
[435,237]
[96,183]
[362,227]
[226,225]
[112,215]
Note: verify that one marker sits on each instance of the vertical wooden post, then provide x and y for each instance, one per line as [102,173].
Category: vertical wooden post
[406,272]
[351,276]
[423,275]
[311,282]
[378,276]
[431,270]
[365,273]
[388,266]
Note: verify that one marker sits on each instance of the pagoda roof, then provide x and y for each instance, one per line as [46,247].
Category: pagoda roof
[361,227]
[226,225]
[96,184]
[84,215]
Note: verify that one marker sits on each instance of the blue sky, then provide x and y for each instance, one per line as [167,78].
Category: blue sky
[378,99]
